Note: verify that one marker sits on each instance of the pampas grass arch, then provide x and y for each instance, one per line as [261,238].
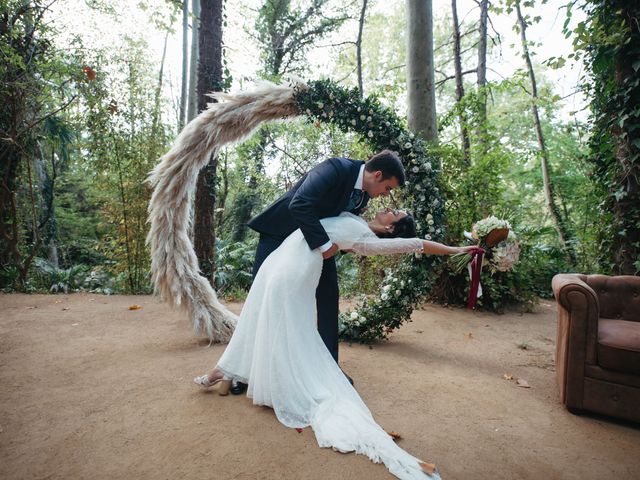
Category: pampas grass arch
[174,265]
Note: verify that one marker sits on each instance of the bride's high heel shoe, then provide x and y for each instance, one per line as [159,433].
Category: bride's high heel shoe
[223,385]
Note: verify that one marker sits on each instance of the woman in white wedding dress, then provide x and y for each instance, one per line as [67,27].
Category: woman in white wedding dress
[276,348]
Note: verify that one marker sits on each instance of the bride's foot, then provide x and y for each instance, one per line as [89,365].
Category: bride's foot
[214,379]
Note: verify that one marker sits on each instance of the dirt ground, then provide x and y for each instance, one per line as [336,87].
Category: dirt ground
[93,390]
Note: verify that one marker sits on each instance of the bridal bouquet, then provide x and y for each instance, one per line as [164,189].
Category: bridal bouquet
[498,241]
[498,249]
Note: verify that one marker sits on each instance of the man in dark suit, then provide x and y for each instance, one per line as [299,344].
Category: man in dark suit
[334,186]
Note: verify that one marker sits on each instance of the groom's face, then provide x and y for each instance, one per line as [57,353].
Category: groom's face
[378,187]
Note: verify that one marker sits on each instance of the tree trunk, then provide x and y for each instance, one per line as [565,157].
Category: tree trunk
[420,70]
[185,63]
[544,155]
[282,27]
[626,142]
[359,46]
[482,76]
[46,185]
[457,63]
[156,104]
[222,197]
[209,79]
[192,111]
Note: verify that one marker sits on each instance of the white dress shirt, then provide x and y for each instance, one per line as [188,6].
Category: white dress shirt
[357,186]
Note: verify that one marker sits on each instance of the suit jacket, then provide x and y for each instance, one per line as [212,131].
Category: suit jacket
[322,192]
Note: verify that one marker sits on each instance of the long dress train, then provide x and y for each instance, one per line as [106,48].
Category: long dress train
[277,350]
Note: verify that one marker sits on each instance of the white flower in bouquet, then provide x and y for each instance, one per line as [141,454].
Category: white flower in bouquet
[483,227]
[506,254]
[499,257]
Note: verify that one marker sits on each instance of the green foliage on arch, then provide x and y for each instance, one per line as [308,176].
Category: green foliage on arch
[401,290]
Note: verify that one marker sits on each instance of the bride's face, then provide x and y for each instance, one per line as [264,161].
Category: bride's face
[388,216]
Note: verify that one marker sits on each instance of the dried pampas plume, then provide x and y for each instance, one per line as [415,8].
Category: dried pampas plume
[174,265]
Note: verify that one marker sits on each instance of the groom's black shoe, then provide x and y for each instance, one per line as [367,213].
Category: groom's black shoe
[238,388]
[348,377]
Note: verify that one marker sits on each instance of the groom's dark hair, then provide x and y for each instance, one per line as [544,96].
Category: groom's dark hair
[388,162]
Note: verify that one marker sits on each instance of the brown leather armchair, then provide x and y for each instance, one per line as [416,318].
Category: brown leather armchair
[598,344]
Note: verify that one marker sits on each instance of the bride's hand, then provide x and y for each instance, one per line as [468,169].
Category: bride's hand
[466,249]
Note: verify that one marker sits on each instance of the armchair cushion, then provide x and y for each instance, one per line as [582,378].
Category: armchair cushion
[619,345]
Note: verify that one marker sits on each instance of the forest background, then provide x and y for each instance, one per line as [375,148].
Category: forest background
[536,121]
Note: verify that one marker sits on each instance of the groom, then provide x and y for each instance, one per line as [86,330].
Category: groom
[334,186]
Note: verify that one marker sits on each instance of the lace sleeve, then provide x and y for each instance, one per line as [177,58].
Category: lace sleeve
[372,245]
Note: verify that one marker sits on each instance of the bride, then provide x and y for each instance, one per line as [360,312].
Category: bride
[276,348]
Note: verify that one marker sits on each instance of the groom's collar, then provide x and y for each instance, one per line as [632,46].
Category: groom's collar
[360,179]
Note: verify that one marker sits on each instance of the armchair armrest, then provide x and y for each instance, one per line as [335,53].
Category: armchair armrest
[577,334]
[564,284]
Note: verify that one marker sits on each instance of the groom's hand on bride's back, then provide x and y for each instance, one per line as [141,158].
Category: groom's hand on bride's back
[331,252]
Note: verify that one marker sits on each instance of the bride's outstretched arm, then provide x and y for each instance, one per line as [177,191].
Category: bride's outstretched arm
[372,245]
[435,248]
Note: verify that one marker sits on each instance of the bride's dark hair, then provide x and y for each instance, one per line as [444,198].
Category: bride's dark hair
[404,228]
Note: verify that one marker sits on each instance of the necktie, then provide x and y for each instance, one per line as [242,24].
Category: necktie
[356,200]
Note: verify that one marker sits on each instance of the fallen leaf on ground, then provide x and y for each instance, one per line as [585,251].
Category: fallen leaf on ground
[507,376]
[135,307]
[429,468]
[521,382]
[394,435]
[299,430]
[468,335]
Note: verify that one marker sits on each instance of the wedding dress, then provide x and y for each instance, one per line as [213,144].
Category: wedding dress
[276,349]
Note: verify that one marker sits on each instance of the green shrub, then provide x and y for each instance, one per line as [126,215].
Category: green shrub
[234,265]
[56,280]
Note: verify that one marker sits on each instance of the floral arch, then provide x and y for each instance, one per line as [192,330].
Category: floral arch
[174,265]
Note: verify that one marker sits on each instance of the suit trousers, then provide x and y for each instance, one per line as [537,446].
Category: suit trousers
[327,293]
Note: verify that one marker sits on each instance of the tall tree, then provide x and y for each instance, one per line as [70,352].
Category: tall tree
[185,64]
[192,109]
[420,70]
[209,79]
[549,193]
[457,64]
[482,75]
[610,37]
[363,13]
[36,89]
[285,33]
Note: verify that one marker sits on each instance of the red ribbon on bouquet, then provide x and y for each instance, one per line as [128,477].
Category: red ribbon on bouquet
[477,255]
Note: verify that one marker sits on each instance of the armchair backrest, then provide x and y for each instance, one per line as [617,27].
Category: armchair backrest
[618,297]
